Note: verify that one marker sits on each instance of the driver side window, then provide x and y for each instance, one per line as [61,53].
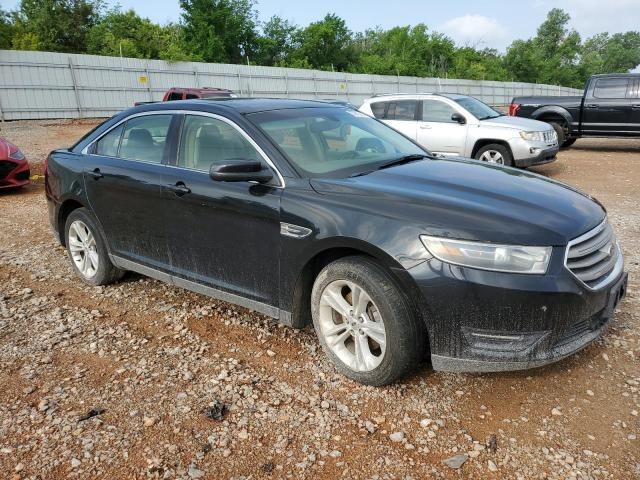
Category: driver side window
[205,140]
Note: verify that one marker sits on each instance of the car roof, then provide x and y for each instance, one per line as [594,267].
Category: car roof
[409,96]
[240,105]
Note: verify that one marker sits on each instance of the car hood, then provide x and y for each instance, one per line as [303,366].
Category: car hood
[517,123]
[467,199]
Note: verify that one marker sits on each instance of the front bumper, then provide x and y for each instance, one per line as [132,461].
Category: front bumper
[14,174]
[546,155]
[480,321]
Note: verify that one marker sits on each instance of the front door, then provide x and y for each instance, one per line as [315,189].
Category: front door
[225,235]
[437,132]
[123,176]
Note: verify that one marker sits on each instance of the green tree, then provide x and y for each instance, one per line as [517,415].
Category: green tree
[604,53]
[220,30]
[276,42]
[6,30]
[325,44]
[55,25]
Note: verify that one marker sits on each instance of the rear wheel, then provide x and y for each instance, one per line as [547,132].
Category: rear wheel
[364,323]
[495,153]
[568,142]
[87,250]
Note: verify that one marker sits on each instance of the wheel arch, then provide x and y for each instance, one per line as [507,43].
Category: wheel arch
[335,249]
[483,142]
[550,113]
[66,207]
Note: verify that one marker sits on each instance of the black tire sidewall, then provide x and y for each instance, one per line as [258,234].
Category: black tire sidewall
[106,269]
[504,151]
[562,138]
[403,330]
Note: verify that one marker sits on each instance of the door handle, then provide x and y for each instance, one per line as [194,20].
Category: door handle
[592,105]
[95,174]
[179,188]
[636,106]
[425,127]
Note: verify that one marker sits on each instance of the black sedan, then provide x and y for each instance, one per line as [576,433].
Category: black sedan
[313,212]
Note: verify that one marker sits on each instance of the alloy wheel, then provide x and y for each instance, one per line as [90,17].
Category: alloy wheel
[492,156]
[83,249]
[352,325]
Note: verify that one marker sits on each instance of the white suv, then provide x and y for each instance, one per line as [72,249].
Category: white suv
[459,125]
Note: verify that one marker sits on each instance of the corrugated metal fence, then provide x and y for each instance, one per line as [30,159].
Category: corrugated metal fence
[55,85]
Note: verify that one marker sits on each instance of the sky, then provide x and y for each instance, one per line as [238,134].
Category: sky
[487,23]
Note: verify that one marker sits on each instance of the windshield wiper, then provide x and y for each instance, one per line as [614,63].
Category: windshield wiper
[488,117]
[392,163]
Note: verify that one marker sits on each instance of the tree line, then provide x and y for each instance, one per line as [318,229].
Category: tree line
[229,31]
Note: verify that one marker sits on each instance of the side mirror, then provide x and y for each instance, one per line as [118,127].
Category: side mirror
[238,170]
[456,117]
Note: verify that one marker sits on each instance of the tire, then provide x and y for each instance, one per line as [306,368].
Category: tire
[568,142]
[383,305]
[562,136]
[88,255]
[501,154]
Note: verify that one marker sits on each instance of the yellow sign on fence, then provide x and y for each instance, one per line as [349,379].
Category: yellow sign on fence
[143,79]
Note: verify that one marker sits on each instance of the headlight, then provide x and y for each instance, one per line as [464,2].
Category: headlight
[532,136]
[488,256]
[16,155]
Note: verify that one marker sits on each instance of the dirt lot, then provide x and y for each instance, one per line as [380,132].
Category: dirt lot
[151,359]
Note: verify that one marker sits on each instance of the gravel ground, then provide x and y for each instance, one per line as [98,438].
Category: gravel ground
[144,380]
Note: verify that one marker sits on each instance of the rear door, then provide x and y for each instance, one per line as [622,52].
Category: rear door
[399,114]
[607,109]
[437,132]
[634,95]
[123,177]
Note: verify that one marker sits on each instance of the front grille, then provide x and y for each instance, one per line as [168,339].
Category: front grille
[550,136]
[6,167]
[593,256]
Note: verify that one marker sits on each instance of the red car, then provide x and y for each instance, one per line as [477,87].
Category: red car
[14,168]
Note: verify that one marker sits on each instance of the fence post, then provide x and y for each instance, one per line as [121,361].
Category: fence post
[146,71]
[197,79]
[315,86]
[75,87]
[239,80]
[286,82]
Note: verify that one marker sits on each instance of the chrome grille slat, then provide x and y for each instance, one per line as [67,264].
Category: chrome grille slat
[594,257]
[591,245]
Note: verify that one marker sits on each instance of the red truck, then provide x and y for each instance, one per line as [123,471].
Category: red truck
[176,93]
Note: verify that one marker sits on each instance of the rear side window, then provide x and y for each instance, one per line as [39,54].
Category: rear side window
[378,109]
[437,111]
[402,110]
[175,96]
[109,144]
[611,88]
[144,138]
[207,140]
[191,96]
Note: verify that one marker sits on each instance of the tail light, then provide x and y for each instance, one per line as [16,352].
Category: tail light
[513,109]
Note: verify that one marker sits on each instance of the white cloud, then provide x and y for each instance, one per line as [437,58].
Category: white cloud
[475,31]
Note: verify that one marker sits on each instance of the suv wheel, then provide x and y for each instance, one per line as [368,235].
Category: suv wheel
[495,153]
[364,323]
[87,249]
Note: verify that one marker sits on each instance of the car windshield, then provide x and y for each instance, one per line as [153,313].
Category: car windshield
[478,109]
[334,142]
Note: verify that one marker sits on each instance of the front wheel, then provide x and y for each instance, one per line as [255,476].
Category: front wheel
[495,153]
[364,322]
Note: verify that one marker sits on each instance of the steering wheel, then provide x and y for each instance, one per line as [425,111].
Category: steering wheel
[349,154]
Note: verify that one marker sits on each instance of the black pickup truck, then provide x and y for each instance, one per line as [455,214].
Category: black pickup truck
[609,107]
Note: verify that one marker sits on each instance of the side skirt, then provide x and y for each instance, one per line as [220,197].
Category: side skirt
[280,315]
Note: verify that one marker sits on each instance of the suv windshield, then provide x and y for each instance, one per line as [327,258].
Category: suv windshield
[333,142]
[480,110]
